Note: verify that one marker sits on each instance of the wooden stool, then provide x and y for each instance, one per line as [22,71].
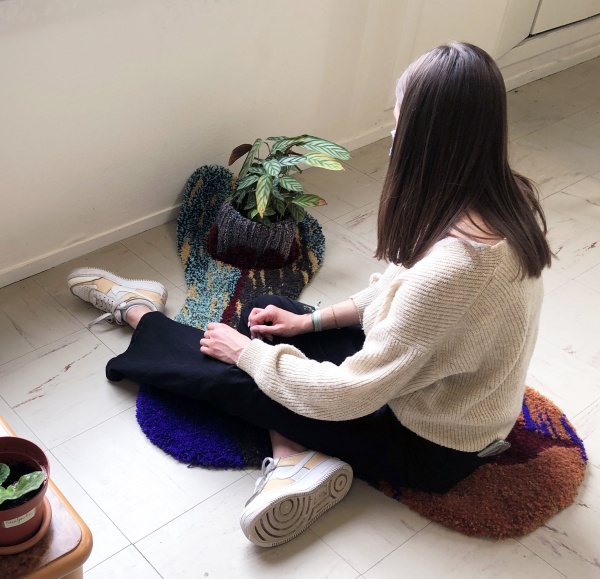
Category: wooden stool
[62,551]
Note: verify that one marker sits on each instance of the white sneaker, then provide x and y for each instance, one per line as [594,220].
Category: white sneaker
[115,295]
[292,493]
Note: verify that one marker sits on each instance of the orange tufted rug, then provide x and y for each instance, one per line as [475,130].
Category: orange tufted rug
[522,488]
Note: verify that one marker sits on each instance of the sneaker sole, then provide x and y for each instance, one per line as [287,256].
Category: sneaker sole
[286,514]
[79,275]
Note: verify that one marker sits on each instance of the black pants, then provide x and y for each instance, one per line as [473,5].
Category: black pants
[166,354]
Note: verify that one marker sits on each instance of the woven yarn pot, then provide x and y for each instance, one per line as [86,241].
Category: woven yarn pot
[236,233]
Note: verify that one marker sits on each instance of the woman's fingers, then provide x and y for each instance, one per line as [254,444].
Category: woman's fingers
[263,332]
[259,316]
[223,343]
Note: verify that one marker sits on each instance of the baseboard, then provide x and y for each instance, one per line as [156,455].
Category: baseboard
[42,263]
[545,54]
[369,137]
[34,266]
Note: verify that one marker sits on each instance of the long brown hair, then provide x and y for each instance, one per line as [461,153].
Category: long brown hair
[450,157]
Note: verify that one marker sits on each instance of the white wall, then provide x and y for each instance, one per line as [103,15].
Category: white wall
[107,106]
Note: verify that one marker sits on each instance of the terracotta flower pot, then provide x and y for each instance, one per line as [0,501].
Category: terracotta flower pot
[20,523]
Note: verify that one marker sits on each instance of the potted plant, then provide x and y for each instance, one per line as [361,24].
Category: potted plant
[24,472]
[261,214]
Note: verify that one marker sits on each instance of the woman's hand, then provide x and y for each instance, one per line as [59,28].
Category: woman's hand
[223,343]
[280,323]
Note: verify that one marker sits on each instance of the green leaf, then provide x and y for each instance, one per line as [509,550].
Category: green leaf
[263,192]
[237,196]
[250,157]
[275,138]
[27,483]
[276,193]
[284,143]
[307,200]
[4,472]
[250,203]
[291,184]
[292,160]
[323,161]
[296,212]
[256,170]
[272,167]
[327,147]
[247,181]
[278,205]
[265,221]
[238,152]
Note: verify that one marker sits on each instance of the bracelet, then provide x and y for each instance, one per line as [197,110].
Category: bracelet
[317,322]
[334,318]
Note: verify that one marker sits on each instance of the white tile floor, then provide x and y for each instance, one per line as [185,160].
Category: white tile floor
[153,517]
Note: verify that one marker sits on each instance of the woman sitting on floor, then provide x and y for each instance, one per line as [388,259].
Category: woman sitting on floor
[418,378]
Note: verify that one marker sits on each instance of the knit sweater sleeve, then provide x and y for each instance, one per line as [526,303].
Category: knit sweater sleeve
[416,313]
[364,297]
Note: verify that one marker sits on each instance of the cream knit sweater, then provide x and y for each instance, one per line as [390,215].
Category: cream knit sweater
[447,346]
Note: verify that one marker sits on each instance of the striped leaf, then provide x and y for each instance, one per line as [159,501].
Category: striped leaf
[292,160]
[256,170]
[278,205]
[276,194]
[250,157]
[327,148]
[272,167]
[284,143]
[250,203]
[323,161]
[291,184]
[263,192]
[307,200]
[247,181]
[296,212]
[275,138]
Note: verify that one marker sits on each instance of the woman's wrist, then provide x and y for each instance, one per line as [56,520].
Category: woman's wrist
[336,316]
[317,320]
[306,326]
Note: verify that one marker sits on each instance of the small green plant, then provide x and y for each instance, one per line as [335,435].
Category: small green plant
[265,191]
[25,484]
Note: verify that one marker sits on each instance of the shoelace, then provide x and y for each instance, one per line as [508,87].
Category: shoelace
[103,302]
[268,466]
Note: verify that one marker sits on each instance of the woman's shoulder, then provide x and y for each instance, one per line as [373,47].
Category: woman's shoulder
[457,265]
[457,259]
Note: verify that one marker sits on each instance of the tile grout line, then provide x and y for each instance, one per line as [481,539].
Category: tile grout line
[399,546]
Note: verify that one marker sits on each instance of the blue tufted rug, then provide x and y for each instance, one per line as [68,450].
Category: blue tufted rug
[189,430]
[217,290]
